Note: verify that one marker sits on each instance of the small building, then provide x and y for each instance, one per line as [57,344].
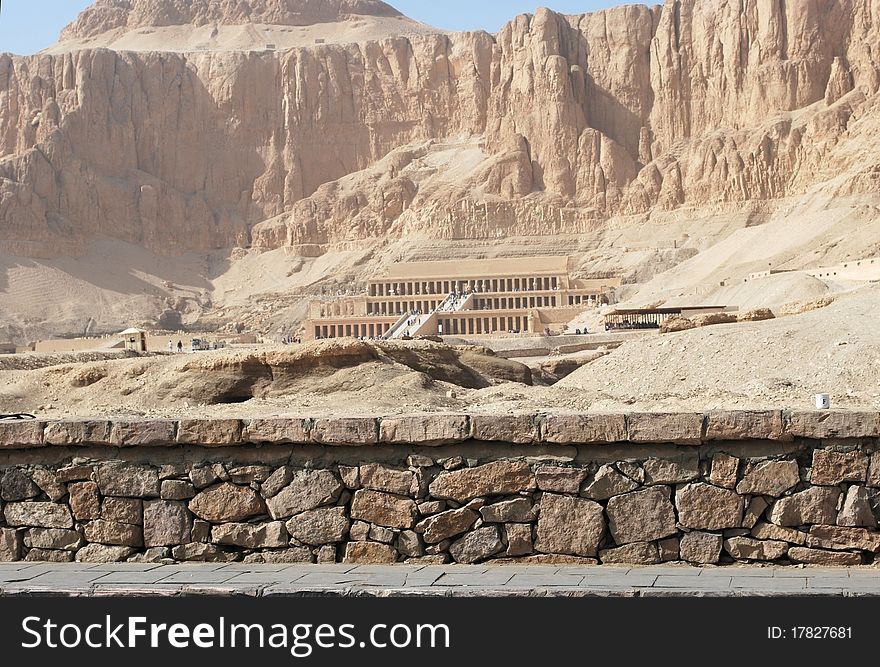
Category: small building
[623,319]
[135,339]
[7,348]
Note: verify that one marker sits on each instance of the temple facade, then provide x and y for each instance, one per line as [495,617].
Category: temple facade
[472,297]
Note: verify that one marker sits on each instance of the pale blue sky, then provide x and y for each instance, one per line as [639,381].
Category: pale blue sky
[27,26]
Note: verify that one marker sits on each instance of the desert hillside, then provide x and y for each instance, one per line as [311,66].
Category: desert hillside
[682,146]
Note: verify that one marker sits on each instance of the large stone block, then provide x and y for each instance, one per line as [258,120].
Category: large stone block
[382,478]
[50,556]
[754,512]
[38,515]
[825,424]
[276,481]
[857,511]
[770,531]
[276,431]
[166,523]
[576,429]
[672,470]
[560,480]
[354,431]
[700,548]
[519,539]
[327,525]
[123,510]
[442,526]
[770,478]
[128,480]
[706,507]
[270,535]
[512,510]
[567,525]
[142,434]
[637,553]
[103,553]
[724,471]
[177,489]
[384,509]
[641,516]
[307,490]
[113,534]
[85,501]
[499,478]
[839,538]
[53,538]
[16,485]
[519,429]
[746,548]
[77,433]
[874,471]
[831,468]
[745,425]
[608,482]
[369,553]
[821,557]
[21,434]
[424,430]
[680,428]
[477,545]
[226,503]
[49,484]
[209,432]
[814,505]
[10,545]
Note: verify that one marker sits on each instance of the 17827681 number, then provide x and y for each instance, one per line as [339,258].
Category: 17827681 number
[810,632]
[820,632]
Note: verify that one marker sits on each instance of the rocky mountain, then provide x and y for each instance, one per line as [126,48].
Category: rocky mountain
[556,125]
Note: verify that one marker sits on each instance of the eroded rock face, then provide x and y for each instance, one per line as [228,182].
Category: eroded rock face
[602,137]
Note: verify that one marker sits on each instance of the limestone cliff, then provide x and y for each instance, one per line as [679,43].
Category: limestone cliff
[561,123]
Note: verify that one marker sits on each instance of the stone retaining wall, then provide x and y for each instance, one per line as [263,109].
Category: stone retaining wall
[720,487]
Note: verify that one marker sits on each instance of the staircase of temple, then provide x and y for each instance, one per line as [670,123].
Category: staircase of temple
[422,324]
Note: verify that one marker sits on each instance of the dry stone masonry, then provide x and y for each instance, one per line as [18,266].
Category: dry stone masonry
[715,488]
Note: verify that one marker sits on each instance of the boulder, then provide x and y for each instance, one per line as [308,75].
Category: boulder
[166,523]
[641,516]
[814,505]
[384,509]
[560,480]
[226,503]
[567,525]
[499,478]
[270,535]
[746,548]
[307,490]
[38,515]
[326,525]
[369,553]
[831,468]
[770,478]
[513,510]
[477,545]
[705,507]
[700,548]
[448,524]
[128,481]
[637,553]
[608,482]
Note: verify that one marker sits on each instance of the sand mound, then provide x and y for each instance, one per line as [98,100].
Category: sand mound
[356,374]
[779,362]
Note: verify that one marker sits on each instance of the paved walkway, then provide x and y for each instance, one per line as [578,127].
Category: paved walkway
[127,579]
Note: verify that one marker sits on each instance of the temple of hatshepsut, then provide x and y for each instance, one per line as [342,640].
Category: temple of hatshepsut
[492,296]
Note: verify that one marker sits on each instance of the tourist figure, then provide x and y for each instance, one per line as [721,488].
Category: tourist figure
[171,347]
[179,347]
